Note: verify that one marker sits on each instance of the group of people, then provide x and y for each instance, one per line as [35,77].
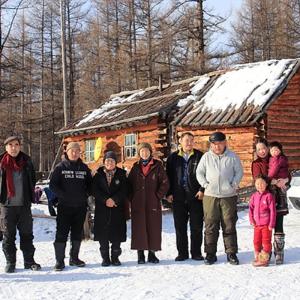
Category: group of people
[201,186]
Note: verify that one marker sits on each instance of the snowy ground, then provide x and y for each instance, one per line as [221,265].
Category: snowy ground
[167,280]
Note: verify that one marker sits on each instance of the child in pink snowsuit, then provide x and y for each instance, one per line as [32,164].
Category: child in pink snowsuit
[262,215]
[278,163]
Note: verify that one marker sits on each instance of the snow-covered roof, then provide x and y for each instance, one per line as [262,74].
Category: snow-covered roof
[242,89]
[236,96]
[132,106]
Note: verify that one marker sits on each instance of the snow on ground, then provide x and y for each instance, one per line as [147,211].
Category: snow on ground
[167,280]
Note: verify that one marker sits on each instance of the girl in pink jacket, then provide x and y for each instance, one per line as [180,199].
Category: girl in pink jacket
[262,215]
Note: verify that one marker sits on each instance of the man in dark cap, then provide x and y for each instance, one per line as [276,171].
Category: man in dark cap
[220,172]
[17,182]
[71,182]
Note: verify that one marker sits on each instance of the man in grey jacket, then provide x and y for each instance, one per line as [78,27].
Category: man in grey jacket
[220,172]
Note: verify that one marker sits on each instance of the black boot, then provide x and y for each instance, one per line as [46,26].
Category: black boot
[152,258]
[181,257]
[105,258]
[197,256]
[141,257]
[59,255]
[10,256]
[32,265]
[115,253]
[10,268]
[210,259]
[29,262]
[232,259]
[279,248]
[74,252]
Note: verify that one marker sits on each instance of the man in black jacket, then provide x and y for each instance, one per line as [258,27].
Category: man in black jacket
[186,195]
[17,181]
[71,183]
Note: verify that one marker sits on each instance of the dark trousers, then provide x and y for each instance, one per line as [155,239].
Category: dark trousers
[104,245]
[279,224]
[69,219]
[11,219]
[220,211]
[184,210]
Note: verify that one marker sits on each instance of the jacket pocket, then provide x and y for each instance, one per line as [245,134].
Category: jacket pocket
[227,188]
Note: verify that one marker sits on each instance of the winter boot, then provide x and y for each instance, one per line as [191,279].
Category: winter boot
[152,258]
[10,256]
[279,248]
[210,259]
[10,268]
[74,252]
[262,259]
[29,262]
[59,255]
[105,258]
[181,257]
[197,257]
[141,257]
[34,266]
[115,253]
[232,259]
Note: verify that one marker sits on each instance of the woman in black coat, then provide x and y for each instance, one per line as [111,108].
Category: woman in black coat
[110,192]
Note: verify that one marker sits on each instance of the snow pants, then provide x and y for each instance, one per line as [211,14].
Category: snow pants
[262,239]
[69,219]
[11,219]
[220,211]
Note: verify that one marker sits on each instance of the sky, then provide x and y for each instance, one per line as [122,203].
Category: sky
[224,6]
[227,9]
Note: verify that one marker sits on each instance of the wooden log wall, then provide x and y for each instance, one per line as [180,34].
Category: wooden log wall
[154,134]
[240,140]
[283,121]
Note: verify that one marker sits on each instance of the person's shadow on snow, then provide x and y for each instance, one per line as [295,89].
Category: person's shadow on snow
[45,276]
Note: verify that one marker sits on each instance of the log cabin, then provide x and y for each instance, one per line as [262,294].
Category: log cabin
[244,101]
[125,120]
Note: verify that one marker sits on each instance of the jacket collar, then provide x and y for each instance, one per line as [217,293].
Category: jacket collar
[225,153]
[181,153]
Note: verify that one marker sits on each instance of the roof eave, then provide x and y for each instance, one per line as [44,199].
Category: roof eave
[82,129]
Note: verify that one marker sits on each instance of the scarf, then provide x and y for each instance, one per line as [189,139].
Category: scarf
[109,175]
[146,161]
[11,164]
[146,165]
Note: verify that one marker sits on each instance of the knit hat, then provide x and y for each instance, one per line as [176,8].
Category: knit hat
[12,138]
[110,154]
[73,145]
[144,145]
[217,136]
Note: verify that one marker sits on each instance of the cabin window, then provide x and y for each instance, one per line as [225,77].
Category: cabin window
[89,150]
[130,147]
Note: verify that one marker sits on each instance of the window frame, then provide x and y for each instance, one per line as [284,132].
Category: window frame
[88,153]
[131,146]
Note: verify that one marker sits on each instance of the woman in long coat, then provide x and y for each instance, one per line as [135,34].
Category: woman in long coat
[149,184]
[110,188]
